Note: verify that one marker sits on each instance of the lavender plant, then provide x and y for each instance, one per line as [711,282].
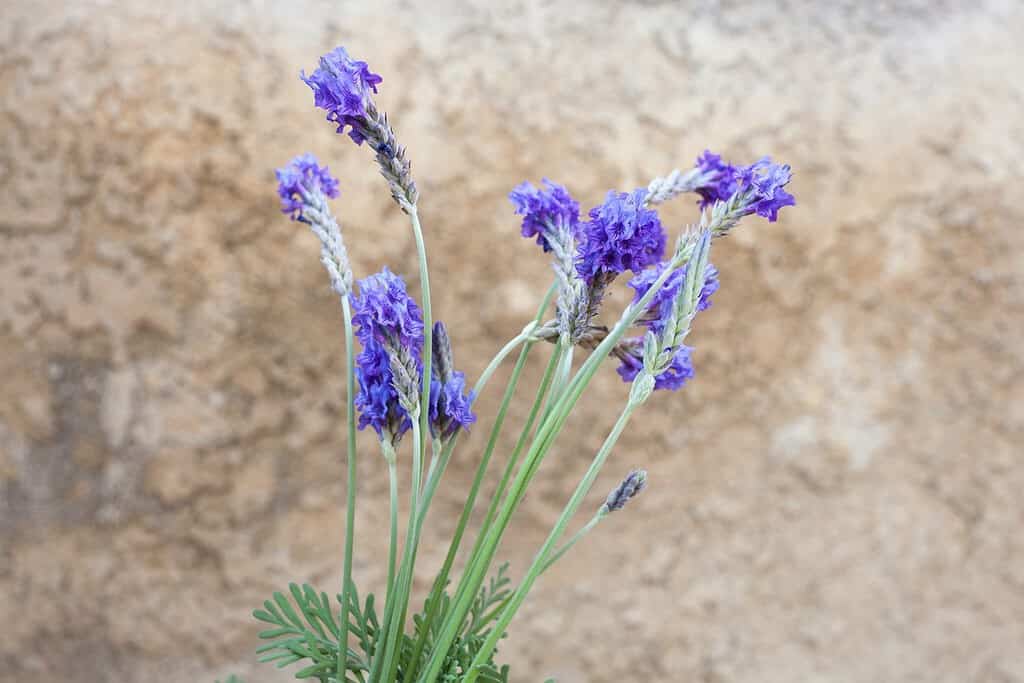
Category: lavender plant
[404,382]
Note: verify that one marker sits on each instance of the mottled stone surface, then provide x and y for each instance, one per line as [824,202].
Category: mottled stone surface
[836,497]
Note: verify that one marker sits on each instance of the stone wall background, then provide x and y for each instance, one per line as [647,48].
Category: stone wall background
[835,497]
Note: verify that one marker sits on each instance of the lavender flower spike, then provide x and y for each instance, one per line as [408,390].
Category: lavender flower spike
[302,180]
[633,484]
[384,311]
[545,211]
[761,186]
[622,235]
[449,404]
[390,326]
[342,86]
[378,401]
[304,188]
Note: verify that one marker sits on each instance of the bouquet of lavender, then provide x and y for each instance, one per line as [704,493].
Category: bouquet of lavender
[408,385]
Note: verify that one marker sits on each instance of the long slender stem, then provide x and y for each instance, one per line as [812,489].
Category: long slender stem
[442,578]
[394,617]
[549,429]
[393,544]
[435,474]
[539,399]
[564,373]
[396,609]
[539,560]
[350,510]
[574,539]
[555,557]
[428,335]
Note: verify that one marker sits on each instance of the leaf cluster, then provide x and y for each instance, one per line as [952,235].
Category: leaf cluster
[304,629]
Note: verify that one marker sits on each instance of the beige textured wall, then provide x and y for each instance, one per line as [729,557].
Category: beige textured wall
[836,497]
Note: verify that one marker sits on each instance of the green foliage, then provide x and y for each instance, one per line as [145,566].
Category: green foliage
[491,596]
[313,637]
[305,631]
[231,679]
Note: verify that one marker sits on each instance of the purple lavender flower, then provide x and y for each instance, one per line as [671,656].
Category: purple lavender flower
[545,209]
[377,400]
[449,405]
[390,326]
[764,181]
[341,86]
[385,312]
[721,183]
[622,235]
[661,304]
[630,353]
[301,177]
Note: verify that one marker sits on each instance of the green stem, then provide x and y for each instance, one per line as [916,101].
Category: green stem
[567,546]
[350,511]
[428,331]
[549,429]
[396,606]
[435,474]
[442,578]
[539,560]
[389,456]
[396,609]
[564,373]
[492,509]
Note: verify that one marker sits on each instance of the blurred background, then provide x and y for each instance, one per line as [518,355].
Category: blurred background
[836,496]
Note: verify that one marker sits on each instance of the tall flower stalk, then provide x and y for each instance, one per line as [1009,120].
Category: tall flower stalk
[404,381]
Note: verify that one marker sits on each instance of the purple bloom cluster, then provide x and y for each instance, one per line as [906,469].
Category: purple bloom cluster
[656,317]
[761,183]
[622,235]
[341,86]
[764,181]
[377,400]
[674,376]
[661,304]
[385,312]
[545,209]
[301,177]
[721,179]
[387,317]
[450,406]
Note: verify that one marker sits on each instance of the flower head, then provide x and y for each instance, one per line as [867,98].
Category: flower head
[385,312]
[545,209]
[302,178]
[449,404]
[764,183]
[720,177]
[622,235]
[377,400]
[634,483]
[341,86]
[630,354]
[660,306]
